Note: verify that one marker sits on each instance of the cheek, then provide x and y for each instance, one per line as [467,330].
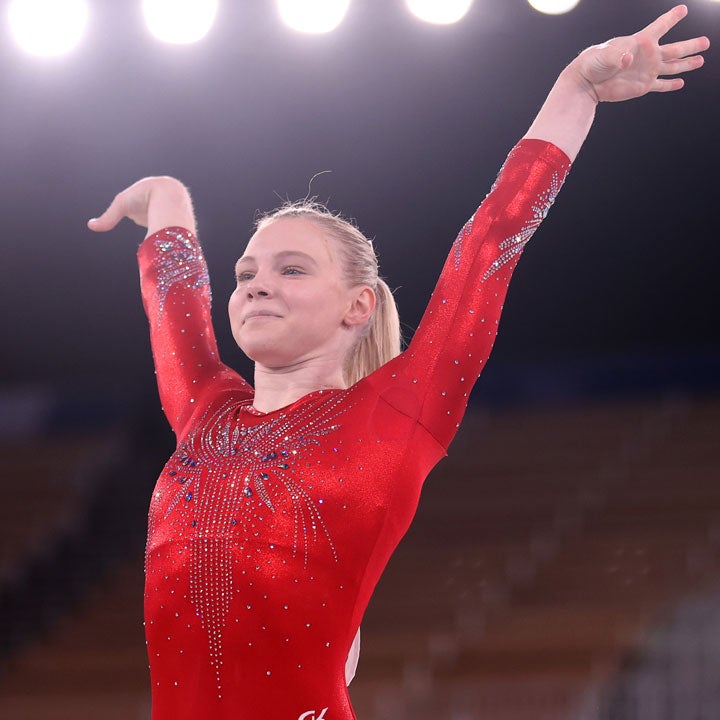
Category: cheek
[234,304]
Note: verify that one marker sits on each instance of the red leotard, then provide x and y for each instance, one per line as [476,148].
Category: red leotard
[268,531]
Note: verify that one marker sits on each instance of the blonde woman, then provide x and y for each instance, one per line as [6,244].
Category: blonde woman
[273,520]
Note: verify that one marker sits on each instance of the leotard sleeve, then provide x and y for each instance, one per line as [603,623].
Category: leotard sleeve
[432,378]
[176,296]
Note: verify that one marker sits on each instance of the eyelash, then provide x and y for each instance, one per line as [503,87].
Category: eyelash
[245,276]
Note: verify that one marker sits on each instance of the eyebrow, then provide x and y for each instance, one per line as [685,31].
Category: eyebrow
[283,255]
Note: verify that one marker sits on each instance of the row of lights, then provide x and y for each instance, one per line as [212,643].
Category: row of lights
[53,27]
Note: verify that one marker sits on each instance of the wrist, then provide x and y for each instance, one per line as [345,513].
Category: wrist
[573,83]
[164,185]
[567,114]
[169,204]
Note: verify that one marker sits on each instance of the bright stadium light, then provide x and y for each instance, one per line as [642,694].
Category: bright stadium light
[48,27]
[553,7]
[180,22]
[439,12]
[313,16]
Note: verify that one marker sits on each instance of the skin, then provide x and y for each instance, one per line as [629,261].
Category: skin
[292,311]
[620,69]
[295,356]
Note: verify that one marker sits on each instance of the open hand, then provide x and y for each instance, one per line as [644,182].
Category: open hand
[628,67]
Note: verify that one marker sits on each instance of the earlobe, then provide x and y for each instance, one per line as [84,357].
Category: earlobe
[361,308]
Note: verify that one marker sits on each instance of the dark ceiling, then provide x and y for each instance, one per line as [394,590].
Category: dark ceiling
[413,121]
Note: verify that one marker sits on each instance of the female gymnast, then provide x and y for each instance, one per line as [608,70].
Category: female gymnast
[274,518]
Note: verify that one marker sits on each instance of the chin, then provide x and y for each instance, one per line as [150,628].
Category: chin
[267,355]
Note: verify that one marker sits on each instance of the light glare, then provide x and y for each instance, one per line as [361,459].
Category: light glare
[48,27]
[313,16]
[553,7]
[179,22]
[439,12]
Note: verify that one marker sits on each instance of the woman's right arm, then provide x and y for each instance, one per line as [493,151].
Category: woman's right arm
[176,297]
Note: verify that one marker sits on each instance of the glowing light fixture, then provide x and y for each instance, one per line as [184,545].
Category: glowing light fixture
[553,7]
[439,12]
[313,16]
[48,27]
[180,22]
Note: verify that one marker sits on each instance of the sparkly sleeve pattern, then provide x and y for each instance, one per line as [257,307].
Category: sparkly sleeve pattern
[432,379]
[177,299]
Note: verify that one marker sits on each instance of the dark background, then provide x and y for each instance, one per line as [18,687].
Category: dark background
[413,120]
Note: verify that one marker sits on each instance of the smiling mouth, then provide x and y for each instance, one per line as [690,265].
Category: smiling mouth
[255,316]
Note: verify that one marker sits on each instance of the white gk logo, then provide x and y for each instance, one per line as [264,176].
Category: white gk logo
[310,715]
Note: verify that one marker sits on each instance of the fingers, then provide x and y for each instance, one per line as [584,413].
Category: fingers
[108,220]
[674,51]
[132,203]
[676,67]
[682,56]
[662,25]
[671,85]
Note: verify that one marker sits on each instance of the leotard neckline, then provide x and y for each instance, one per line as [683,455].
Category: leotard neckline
[249,408]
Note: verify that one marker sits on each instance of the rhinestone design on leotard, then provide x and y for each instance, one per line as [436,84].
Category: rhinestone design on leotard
[457,247]
[217,506]
[176,263]
[514,245]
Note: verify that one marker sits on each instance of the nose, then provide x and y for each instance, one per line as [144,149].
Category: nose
[258,288]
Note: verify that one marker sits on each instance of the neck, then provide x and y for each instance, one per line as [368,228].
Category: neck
[278,387]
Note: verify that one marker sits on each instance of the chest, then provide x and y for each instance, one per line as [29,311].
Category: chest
[303,482]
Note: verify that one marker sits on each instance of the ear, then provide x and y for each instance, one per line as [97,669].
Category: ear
[361,307]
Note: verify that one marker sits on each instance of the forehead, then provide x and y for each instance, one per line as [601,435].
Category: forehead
[291,234]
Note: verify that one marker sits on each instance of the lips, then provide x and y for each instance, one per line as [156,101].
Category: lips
[260,314]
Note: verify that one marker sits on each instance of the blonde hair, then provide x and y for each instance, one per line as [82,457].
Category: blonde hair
[381,341]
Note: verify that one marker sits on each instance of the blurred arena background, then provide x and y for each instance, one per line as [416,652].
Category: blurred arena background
[564,560]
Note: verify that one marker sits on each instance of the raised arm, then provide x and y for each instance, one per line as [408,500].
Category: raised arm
[176,296]
[432,379]
[621,69]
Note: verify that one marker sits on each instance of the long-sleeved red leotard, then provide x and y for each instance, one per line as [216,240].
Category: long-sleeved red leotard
[268,531]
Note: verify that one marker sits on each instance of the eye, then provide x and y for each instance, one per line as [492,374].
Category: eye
[292,270]
[243,276]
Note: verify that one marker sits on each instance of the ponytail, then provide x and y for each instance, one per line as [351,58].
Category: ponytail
[382,340]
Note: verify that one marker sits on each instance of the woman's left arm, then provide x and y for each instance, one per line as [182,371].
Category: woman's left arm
[432,379]
[621,69]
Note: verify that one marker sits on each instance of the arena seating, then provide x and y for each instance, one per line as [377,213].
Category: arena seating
[547,549]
